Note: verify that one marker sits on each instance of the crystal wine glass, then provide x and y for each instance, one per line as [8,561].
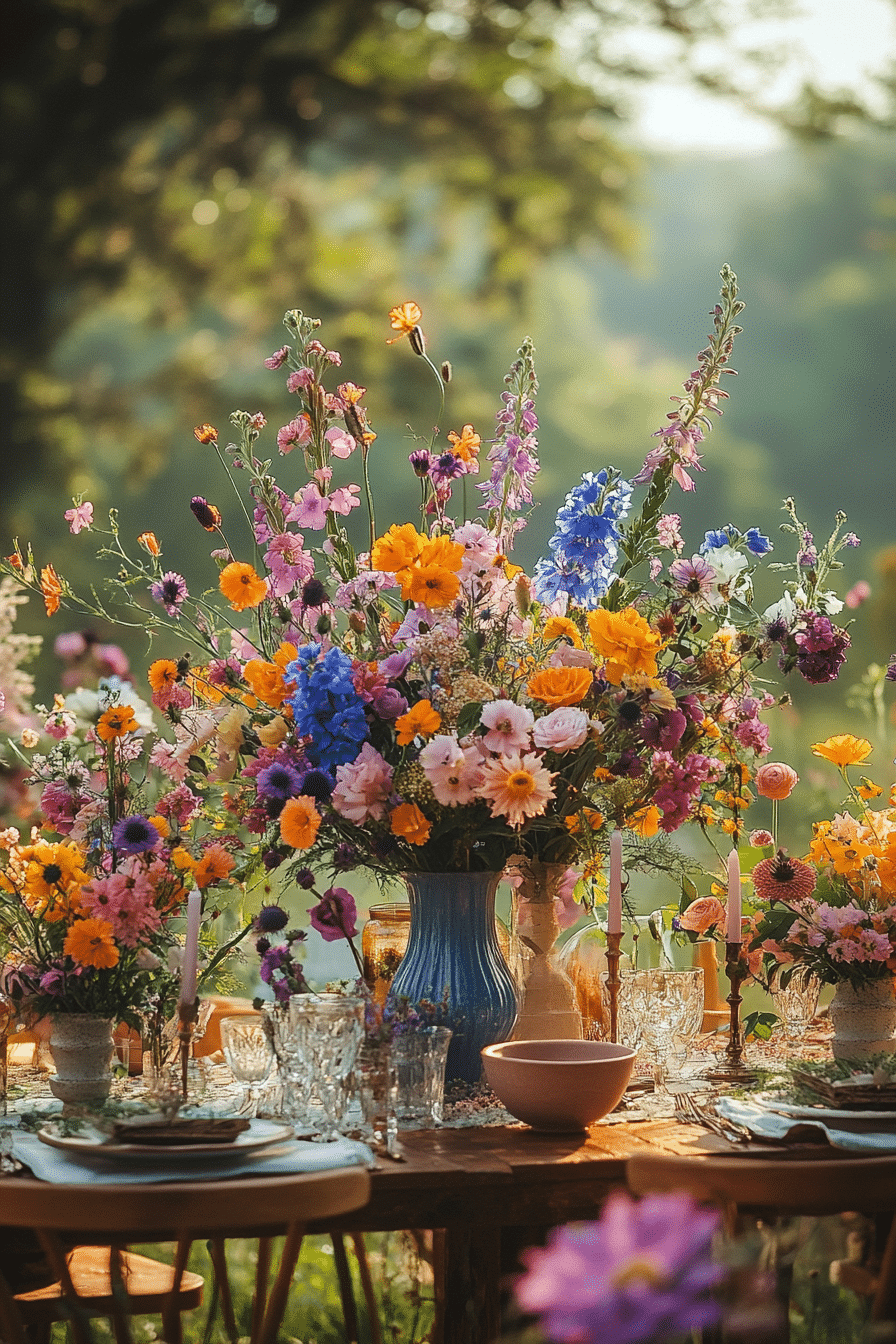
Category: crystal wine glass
[249,1051]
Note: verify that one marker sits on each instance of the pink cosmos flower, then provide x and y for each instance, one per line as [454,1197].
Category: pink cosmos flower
[694,578]
[453,771]
[363,786]
[297,434]
[79,517]
[125,901]
[517,787]
[345,499]
[563,729]
[509,726]
[310,508]
[342,444]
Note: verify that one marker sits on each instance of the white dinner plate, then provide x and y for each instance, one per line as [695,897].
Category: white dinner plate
[95,1143]
[823,1113]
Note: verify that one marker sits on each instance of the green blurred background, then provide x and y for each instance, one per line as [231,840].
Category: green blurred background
[176,175]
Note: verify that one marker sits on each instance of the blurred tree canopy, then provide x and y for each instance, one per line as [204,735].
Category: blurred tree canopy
[177,174]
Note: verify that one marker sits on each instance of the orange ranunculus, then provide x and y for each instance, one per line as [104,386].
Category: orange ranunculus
[162,674]
[421,720]
[466,444]
[89,942]
[843,749]
[702,914]
[397,549]
[775,780]
[626,641]
[403,319]
[115,722]
[216,864]
[266,682]
[408,822]
[241,585]
[299,822]
[432,585]
[645,822]
[560,685]
[51,589]
[561,627]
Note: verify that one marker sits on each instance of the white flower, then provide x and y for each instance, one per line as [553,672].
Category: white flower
[828,603]
[563,729]
[782,610]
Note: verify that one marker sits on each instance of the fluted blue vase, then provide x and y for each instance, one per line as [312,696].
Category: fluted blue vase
[453,957]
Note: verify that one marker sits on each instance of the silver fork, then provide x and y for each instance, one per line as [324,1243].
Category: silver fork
[695,1113]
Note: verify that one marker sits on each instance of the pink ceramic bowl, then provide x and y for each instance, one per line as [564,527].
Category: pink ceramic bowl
[559,1085]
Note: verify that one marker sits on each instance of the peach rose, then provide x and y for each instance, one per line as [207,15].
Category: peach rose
[702,914]
[776,780]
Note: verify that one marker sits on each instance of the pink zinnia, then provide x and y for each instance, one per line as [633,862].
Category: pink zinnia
[517,787]
[363,786]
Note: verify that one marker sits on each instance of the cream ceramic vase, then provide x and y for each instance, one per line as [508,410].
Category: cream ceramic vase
[82,1048]
[864,1020]
[548,1007]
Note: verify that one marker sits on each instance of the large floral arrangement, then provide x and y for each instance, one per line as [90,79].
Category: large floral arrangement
[835,911]
[412,700]
[91,902]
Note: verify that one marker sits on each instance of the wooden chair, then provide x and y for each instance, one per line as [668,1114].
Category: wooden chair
[115,1216]
[766,1187]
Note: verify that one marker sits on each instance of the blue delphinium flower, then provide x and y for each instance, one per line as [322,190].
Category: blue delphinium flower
[585,545]
[327,708]
[724,536]
[757,544]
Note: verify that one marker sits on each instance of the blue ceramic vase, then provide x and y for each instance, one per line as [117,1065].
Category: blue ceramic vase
[453,947]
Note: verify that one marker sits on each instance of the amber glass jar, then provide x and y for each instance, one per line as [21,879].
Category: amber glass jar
[384,939]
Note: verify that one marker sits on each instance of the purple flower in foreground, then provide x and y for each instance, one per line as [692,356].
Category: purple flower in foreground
[335,916]
[891,669]
[822,649]
[170,591]
[643,1272]
[135,835]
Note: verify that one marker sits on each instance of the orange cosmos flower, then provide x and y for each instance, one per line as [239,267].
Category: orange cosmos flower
[205,434]
[843,749]
[215,865]
[116,722]
[560,685]
[408,822]
[404,319]
[162,674]
[51,589]
[626,641]
[561,627]
[89,942]
[421,720]
[466,444]
[299,822]
[430,584]
[645,822]
[149,541]
[397,549]
[242,586]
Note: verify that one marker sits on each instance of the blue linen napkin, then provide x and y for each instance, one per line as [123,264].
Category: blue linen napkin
[294,1156]
[766,1123]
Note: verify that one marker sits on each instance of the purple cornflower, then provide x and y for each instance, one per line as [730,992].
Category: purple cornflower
[643,1271]
[270,919]
[335,916]
[135,835]
[170,591]
[421,460]
[280,781]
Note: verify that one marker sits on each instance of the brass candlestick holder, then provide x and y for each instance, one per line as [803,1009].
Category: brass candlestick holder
[186,1021]
[614,941]
[730,1067]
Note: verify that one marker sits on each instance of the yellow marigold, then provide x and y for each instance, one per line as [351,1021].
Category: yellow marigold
[89,942]
[162,674]
[561,627]
[216,864]
[51,589]
[430,584]
[843,749]
[182,859]
[645,822]
[444,552]
[626,641]
[560,685]
[408,822]
[116,722]
[241,585]
[161,825]
[299,822]
[466,444]
[51,874]
[421,720]
[266,681]
[397,549]
[403,319]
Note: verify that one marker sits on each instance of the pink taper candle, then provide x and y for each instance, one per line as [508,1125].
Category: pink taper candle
[614,896]
[191,948]
[733,932]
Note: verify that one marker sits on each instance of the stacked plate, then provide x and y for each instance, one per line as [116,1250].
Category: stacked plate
[91,1141]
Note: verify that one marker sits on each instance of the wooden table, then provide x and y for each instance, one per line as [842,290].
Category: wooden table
[492,1190]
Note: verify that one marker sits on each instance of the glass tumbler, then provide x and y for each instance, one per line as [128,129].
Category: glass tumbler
[796,1002]
[655,1006]
[249,1051]
[330,1028]
[417,1076]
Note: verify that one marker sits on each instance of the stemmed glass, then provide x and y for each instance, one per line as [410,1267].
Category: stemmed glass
[330,1028]
[249,1051]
